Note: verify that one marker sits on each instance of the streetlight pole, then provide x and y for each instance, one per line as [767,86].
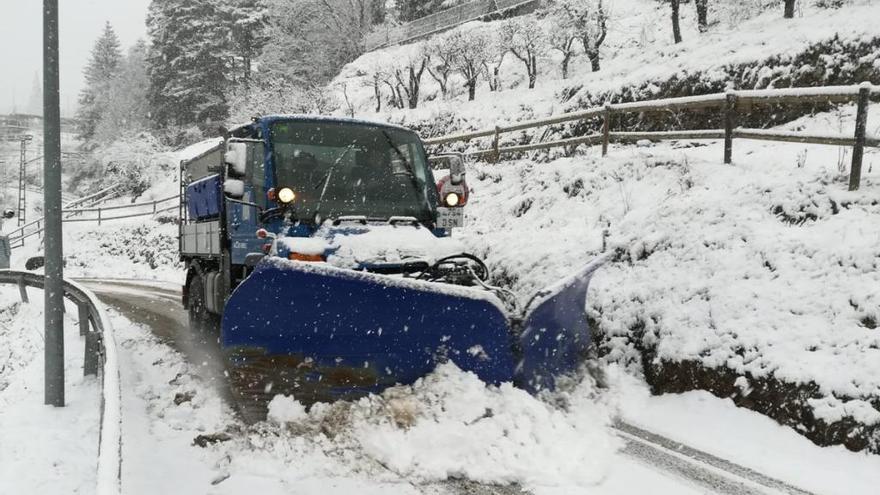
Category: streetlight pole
[53,288]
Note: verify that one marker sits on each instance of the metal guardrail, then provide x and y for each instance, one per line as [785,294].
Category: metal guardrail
[731,103]
[36,226]
[100,359]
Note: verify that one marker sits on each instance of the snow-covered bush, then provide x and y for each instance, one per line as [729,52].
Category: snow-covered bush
[135,161]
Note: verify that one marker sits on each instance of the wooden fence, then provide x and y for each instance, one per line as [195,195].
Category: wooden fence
[730,104]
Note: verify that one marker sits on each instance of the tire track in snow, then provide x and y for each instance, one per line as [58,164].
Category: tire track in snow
[707,470]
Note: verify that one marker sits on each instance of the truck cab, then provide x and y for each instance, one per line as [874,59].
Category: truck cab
[295,177]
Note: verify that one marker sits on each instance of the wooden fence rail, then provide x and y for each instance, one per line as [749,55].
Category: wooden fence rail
[731,103]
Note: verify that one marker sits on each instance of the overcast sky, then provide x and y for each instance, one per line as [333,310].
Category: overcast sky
[81,22]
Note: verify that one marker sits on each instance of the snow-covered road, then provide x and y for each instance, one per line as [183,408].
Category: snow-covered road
[158,434]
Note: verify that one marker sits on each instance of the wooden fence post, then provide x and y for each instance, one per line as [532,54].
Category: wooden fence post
[729,125]
[496,153]
[855,170]
[99,216]
[606,128]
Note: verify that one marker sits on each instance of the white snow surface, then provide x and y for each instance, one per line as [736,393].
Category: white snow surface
[766,267]
[720,428]
[356,244]
[763,267]
[45,449]
[448,424]
[196,149]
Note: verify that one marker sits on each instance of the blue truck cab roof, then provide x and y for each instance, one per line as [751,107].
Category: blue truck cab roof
[264,123]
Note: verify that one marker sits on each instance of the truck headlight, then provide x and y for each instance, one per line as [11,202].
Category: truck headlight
[286,195]
[451,199]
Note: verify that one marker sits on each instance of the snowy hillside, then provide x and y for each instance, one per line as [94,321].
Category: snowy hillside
[766,268]
[638,60]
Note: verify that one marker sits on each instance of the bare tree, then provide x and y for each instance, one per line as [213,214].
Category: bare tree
[676,24]
[471,48]
[702,7]
[492,65]
[374,81]
[522,37]
[789,9]
[439,57]
[385,76]
[409,78]
[561,36]
[589,20]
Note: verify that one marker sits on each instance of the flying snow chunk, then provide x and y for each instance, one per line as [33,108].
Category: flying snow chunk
[285,409]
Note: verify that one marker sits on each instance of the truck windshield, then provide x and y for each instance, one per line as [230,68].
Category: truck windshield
[351,169]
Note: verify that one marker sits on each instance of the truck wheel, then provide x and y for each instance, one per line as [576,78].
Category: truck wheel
[200,320]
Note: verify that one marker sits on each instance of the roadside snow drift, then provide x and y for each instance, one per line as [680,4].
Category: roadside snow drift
[451,425]
[767,268]
[43,449]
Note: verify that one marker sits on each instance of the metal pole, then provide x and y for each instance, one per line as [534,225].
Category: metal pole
[855,171]
[22,175]
[54,288]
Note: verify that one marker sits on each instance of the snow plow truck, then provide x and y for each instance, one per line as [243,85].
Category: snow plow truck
[322,249]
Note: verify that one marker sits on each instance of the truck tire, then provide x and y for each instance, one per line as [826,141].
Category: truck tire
[200,319]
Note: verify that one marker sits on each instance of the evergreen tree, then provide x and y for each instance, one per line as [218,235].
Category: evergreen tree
[188,63]
[128,109]
[99,73]
[246,21]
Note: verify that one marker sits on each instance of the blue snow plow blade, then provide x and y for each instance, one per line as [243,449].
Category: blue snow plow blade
[324,333]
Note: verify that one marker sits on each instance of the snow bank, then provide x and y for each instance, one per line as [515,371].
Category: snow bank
[141,248]
[44,449]
[447,425]
[767,268]
[451,425]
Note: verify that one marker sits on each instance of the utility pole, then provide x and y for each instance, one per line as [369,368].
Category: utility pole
[54,286]
[22,177]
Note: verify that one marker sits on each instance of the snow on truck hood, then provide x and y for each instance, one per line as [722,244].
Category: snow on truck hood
[353,245]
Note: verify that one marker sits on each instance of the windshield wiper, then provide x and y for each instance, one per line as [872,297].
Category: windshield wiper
[407,165]
[327,181]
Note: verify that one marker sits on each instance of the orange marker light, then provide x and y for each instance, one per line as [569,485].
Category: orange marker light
[305,257]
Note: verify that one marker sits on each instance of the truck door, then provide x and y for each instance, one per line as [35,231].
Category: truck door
[242,214]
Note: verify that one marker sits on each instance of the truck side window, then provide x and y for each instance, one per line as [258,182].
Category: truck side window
[257,174]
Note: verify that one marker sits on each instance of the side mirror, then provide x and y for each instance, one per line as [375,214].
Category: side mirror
[454,162]
[234,188]
[34,263]
[456,169]
[236,158]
